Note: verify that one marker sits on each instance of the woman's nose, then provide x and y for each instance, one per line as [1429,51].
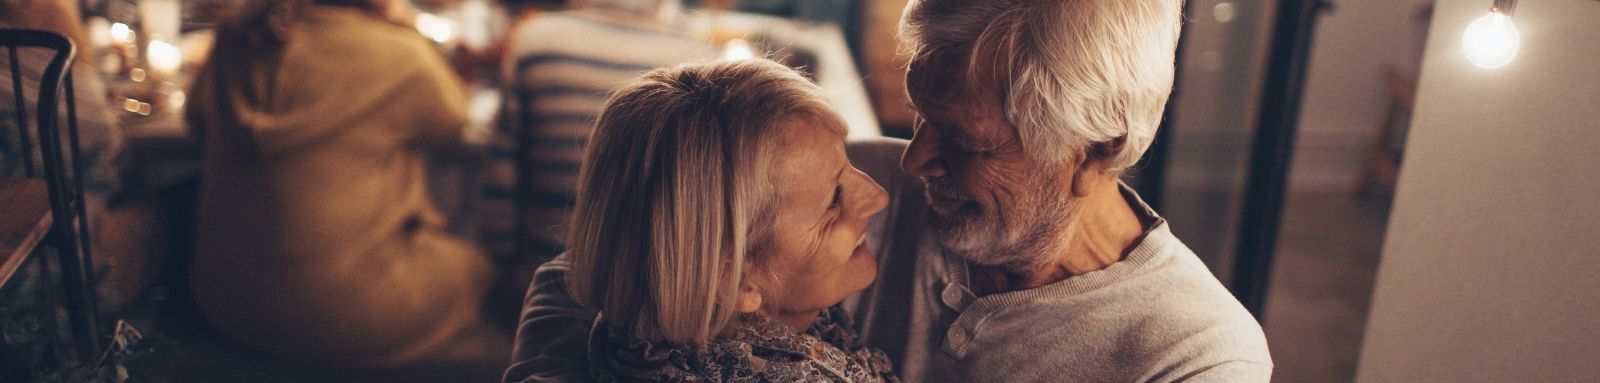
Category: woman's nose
[873,199]
[922,157]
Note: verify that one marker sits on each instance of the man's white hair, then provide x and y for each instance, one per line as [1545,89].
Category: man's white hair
[1071,73]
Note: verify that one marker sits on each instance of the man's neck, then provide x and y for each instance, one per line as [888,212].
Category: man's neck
[1106,231]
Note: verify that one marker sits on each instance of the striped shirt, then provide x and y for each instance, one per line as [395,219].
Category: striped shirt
[560,69]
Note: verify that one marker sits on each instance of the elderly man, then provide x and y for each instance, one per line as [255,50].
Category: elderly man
[1027,260]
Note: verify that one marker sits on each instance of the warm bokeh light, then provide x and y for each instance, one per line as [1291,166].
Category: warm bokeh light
[164,58]
[121,33]
[1491,41]
[738,49]
[177,99]
[99,29]
[437,28]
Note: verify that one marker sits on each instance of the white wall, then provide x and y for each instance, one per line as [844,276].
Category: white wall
[1491,270]
[1345,97]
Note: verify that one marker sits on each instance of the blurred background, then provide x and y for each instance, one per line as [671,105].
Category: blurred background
[1306,143]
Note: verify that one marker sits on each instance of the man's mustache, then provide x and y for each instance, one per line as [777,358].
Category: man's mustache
[943,187]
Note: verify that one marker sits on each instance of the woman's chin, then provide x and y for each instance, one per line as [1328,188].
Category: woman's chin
[863,267]
[861,251]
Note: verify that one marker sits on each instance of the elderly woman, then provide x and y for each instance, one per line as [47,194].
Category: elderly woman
[717,225]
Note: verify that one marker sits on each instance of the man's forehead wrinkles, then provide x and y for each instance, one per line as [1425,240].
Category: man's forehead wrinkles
[942,84]
[935,99]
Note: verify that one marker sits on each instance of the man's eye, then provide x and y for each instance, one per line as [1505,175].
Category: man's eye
[951,146]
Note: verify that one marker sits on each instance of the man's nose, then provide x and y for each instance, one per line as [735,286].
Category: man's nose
[922,157]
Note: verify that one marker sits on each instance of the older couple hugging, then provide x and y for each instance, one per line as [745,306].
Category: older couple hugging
[725,231]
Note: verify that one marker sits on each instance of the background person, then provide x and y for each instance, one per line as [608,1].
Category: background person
[317,239]
[559,68]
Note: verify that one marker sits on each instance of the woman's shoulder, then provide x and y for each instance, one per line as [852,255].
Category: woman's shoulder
[863,363]
[615,355]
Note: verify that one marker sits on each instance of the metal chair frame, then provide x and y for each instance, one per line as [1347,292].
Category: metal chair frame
[69,231]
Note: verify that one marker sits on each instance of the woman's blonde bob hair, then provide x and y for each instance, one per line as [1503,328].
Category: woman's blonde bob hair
[674,199]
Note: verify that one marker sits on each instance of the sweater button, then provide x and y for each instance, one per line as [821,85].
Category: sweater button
[954,296]
[956,336]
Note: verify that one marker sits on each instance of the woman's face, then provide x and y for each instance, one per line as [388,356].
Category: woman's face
[818,256]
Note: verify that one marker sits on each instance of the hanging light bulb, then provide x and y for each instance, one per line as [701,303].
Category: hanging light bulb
[1492,40]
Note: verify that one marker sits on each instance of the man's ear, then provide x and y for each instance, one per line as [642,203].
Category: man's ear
[748,300]
[1092,166]
[1099,152]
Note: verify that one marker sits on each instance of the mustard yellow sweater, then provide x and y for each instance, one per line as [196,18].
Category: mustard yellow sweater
[317,239]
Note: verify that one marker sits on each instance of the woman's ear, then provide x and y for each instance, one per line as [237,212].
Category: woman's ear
[749,299]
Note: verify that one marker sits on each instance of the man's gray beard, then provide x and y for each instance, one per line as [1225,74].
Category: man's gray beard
[1027,234]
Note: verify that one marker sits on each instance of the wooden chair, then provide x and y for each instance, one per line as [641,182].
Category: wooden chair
[68,219]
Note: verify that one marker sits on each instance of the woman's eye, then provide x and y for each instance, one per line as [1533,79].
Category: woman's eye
[838,190]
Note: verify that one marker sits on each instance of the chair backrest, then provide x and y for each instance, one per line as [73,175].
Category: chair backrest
[69,231]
